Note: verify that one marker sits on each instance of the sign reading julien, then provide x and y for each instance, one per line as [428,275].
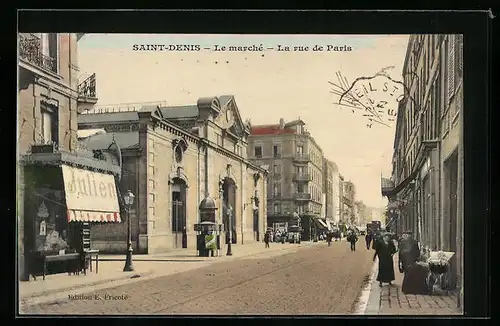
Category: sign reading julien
[90,196]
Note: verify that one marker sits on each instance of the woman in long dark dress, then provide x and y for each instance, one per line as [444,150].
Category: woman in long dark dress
[385,249]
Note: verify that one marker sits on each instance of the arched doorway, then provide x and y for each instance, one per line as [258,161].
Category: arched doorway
[229,195]
[178,202]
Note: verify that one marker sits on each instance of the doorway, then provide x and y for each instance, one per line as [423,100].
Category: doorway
[256,223]
[178,198]
[229,194]
[451,180]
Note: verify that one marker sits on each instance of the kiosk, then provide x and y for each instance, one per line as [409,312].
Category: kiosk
[208,231]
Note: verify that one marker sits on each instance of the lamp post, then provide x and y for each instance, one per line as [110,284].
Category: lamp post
[230,218]
[129,200]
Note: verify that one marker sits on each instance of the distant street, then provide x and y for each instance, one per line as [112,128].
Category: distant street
[313,280]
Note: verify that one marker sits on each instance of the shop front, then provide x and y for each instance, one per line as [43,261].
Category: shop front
[64,194]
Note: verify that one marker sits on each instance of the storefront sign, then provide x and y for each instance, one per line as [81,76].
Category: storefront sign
[90,196]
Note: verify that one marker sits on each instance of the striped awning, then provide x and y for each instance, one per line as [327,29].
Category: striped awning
[89,216]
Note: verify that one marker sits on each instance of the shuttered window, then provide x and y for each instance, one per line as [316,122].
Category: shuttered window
[451,66]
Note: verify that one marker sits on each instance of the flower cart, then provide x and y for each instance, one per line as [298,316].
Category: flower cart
[439,263]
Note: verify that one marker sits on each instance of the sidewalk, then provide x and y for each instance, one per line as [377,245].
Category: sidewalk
[145,266]
[390,300]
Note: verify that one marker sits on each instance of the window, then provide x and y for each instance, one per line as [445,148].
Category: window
[277,189]
[451,67]
[49,51]
[299,129]
[50,126]
[220,140]
[300,150]
[276,208]
[276,151]
[258,151]
[277,171]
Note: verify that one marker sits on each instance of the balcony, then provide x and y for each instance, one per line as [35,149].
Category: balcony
[302,196]
[87,95]
[304,177]
[30,50]
[301,158]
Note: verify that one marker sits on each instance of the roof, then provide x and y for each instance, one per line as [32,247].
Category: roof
[84,133]
[180,112]
[294,122]
[224,100]
[107,117]
[124,140]
[270,130]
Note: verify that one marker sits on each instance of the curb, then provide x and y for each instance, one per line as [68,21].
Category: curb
[149,274]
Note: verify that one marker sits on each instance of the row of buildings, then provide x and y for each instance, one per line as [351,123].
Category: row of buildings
[302,180]
[425,190]
[76,163]
[77,160]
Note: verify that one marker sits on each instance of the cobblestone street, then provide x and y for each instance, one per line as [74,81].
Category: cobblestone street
[313,280]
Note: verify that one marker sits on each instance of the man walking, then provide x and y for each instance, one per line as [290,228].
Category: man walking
[368,239]
[267,237]
[352,238]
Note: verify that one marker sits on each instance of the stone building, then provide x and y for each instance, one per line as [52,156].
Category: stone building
[349,198]
[174,157]
[342,216]
[331,191]
[426,187]
[363,213]
[296,177]
[50,91]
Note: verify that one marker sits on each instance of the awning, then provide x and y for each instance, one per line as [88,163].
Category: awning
[88,216]
[323,222]
[90,196]
[319,223]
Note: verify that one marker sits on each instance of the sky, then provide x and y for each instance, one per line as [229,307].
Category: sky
[267,85]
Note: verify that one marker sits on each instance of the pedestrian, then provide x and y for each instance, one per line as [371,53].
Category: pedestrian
[409,251]
[352,237]
[384,250]
[267,239]
[368,240]
[329,239]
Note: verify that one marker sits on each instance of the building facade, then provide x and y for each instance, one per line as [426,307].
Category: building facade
[362,213]
[173,158]
[349,199]
[50,91]
[329,190]
[296,170]
[426,194]
[336,194]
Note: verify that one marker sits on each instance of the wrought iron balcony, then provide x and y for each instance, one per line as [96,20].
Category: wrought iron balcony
[302,158]
[302,177]
[302,196]
[30,49]
[87,88]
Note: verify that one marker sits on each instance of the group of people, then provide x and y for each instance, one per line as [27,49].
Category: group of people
[386,245]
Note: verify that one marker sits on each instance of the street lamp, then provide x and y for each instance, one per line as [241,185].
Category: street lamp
[129,200]
[230,218]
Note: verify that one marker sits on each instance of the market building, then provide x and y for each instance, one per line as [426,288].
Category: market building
[62,189]
[173,158]
[296,173]
[425,190]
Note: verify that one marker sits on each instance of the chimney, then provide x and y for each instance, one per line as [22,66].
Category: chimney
[282,123]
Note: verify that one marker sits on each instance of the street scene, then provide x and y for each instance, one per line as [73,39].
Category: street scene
[170,174]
